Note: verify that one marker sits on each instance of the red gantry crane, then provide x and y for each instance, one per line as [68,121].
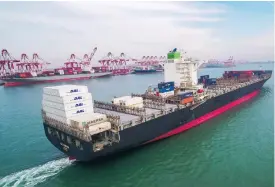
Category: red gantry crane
[7,62]
[38,63]
[119,65]
[86,61]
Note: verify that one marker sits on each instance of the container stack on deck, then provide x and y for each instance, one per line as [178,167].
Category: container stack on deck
[129,101]
[243,76]
[207,81]
[73,105]
[166,89]
[186,97]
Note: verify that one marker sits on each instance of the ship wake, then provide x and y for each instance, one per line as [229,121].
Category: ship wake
[33,176]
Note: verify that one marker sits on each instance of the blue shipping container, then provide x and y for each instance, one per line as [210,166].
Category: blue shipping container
[268,71]
[185,95]
[199,80]
[211,81]
[163,90]
[166,85]
[205,76]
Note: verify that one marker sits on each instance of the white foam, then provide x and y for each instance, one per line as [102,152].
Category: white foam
[33,176]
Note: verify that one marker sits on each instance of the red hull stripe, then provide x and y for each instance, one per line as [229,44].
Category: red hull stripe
[206,117]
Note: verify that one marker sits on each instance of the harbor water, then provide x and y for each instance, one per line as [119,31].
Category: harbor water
[234,149]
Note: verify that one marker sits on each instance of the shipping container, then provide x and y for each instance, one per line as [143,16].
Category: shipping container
[199,81]
[117,100]
[163,85]
[69,113]
[163,90]
[185,95]
[167,94]
[204,76]
[87,120]
[68,99]
[211,81]
[268,71]
[59,118]
[65,90]
[98,128]
[67,106]
[187,100]
[132,102]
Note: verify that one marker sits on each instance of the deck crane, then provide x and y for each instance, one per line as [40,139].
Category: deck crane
[7,62]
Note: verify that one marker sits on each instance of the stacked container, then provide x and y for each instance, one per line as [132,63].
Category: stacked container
[212,81]
[67,101]
[118,100]
[202,79]
[166,89]
[73,105]
[131,102]
[186,97]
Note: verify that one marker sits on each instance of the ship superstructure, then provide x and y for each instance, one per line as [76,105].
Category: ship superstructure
[138,119]
[181,69]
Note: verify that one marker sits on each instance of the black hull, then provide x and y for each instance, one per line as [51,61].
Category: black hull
[142,133]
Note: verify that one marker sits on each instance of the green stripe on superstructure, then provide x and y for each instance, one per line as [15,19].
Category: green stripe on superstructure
[175,55]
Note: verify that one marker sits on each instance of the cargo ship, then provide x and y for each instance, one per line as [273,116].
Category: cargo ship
[85,129]
[216,64]
[147,69]
[18,81]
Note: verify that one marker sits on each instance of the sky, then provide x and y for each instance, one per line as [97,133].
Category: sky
[206,30]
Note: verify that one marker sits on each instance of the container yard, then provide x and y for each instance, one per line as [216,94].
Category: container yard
[28,71]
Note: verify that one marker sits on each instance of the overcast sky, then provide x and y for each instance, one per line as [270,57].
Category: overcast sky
[206,30]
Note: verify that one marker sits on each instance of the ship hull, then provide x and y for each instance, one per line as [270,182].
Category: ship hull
[162,127]
[218,66]
[145,71]
[50,79]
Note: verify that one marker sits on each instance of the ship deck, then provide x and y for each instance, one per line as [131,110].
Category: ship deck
[128,117]
[123,116]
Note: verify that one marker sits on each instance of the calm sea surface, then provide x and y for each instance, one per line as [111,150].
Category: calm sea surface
[232,150]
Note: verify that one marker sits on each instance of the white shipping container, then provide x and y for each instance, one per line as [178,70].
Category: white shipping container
[59,118]
[68,99]
[138,105]
[65,90]
[167,94]
[132,101]
[61,72]
[98,128]
[67,106]
[119,99]
[69,113]
[88,120]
